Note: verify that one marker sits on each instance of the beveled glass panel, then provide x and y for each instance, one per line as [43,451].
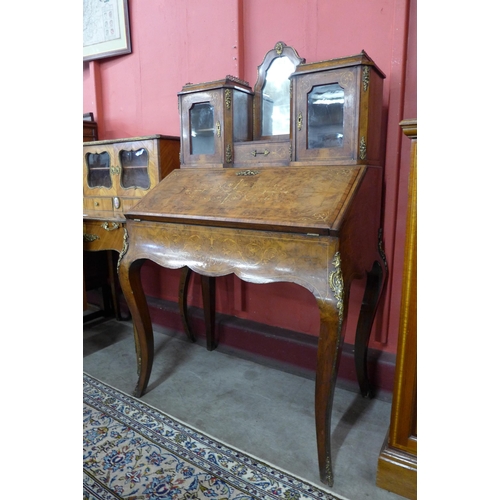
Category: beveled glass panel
[275,110]
[98,168]
[201,119]
[134,168]
[325,116]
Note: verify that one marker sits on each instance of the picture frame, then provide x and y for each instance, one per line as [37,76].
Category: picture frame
[106,29]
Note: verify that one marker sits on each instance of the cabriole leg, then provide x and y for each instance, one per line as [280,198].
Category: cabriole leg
[374,282]
[130,281]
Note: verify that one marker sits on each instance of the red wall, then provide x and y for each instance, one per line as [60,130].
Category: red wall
[197,41]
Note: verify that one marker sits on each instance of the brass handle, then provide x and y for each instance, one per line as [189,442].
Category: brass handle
[299,121]
[110,227]
[255,152]
[115,170]
[217,127]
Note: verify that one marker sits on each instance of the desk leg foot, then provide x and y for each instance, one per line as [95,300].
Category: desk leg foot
[130,281]
[183,285]
[208,292]
[373,290]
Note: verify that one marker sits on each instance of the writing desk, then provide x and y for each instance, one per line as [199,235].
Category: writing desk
[316,226]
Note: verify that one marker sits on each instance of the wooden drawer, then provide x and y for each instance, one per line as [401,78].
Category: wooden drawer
[103,235]
[260,153]
[98,203]
[127,203]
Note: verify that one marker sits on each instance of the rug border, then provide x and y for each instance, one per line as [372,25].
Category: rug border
[210,436]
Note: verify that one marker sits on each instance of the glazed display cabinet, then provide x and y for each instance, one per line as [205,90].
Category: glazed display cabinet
[118,173]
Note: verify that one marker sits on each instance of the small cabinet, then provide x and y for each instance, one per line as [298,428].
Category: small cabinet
[337,112]
[117,173]
[214,116]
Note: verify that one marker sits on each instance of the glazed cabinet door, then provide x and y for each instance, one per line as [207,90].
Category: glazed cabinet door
[326,116]
[99,168]
[138,168]
[203,128]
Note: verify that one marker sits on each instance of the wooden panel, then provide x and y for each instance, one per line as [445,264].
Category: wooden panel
[397,472]
[283,199]
[397,464]
[403,418]
[169,152]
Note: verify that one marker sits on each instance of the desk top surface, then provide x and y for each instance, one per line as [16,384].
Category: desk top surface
[293,199]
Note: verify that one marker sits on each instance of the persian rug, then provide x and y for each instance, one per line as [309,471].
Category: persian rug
[134,451]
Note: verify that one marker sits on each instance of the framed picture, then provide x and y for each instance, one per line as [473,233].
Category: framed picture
[106,30]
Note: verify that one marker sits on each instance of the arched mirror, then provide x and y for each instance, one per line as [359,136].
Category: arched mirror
[272,93]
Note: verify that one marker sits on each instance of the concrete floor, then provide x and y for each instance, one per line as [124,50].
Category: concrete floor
[260,410]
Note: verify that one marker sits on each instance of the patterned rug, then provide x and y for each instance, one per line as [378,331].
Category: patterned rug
[133,451]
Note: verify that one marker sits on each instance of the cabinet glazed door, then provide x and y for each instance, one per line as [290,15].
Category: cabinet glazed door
[138,168]
[326,116]
[202,127]
[99,164]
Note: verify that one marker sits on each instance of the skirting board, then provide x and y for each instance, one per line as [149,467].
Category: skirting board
[397,471]
[287,350]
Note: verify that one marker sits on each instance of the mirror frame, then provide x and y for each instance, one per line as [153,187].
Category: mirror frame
[280,50]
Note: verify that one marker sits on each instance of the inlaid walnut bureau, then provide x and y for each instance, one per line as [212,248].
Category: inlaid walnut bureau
[315,222]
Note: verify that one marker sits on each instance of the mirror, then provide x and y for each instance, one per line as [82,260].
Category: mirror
[275,110]
[272,93]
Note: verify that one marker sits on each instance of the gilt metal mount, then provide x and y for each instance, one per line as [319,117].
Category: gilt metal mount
[366,78]
[227,98]
[229,154]
[87,238]
[248,172]
[336,283]
[362,148]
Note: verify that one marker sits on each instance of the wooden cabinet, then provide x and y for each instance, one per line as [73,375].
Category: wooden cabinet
[117,173]
[337,111]
[214,116]
[397,464]
[227,124]
[89,128]
[322,113]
